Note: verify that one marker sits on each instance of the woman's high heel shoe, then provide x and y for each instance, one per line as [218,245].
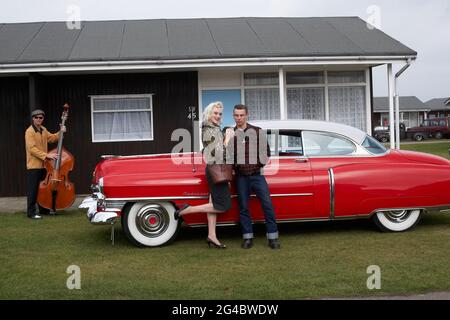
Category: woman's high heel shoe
[178,211]
[212,244]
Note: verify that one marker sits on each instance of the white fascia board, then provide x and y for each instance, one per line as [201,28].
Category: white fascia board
[197,63]
[387,111]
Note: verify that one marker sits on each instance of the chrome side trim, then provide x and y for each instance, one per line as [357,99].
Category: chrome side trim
[161,198]
[119,200]
[355,217]
[291,195]
[331,178]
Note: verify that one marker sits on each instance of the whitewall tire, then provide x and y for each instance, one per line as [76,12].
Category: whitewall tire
[397,220]
[150,224]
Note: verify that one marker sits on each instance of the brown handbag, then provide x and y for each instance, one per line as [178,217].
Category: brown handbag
[220,173]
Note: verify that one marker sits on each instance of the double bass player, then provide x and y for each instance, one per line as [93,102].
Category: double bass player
[36,139]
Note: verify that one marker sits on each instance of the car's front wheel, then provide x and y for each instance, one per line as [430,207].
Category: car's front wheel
[150,224]
[396,220]
[419,137]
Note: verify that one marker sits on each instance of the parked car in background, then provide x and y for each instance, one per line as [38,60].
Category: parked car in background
[318,171]
[382,134]
[430,128]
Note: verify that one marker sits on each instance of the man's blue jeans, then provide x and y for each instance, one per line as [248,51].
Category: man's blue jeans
[257,183]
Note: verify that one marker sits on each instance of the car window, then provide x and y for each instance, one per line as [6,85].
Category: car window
[285,142]
[442,123]
[326,144]
[373,146]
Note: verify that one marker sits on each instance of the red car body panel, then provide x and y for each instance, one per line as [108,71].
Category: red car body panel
[300,188]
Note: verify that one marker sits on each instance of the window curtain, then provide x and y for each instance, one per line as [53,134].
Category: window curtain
[348,106]
[410,119]
[263,103]
[121,119]
[306,103]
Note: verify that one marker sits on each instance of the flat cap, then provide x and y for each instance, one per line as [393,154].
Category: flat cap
[36,112]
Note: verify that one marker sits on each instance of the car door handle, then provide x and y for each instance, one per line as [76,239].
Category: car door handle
[301,160]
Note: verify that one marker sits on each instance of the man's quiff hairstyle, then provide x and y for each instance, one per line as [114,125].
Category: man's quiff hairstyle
[241,107]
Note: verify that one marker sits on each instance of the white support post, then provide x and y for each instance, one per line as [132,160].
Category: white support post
[397,119]
[391,105]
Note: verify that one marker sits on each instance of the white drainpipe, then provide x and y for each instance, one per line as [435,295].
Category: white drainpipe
[397,105]
[391,105]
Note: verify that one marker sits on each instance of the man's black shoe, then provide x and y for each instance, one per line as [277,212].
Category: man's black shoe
[274,244]
[247,244]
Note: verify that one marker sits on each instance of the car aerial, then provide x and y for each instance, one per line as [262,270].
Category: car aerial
[430,128]
[318,171]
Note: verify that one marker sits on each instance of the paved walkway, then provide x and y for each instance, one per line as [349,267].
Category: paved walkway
[19,204]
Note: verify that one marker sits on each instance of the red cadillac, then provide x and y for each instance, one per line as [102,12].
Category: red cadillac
[318,171]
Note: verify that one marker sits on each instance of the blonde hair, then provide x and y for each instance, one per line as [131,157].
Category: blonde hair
[208,112]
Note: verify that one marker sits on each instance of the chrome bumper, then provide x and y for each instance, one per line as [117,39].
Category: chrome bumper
[95,214]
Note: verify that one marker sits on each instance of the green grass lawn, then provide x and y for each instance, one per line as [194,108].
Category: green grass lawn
[316,260]
[440,149]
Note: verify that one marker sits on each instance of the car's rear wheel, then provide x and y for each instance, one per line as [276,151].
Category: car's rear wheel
[397,220]
[150,224]
[384,139]
[438,135]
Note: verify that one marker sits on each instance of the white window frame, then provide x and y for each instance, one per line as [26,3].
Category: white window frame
[122,96]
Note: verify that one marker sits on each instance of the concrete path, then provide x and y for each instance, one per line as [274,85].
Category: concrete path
[19,204]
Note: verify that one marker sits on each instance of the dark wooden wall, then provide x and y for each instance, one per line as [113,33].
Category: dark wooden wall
[15,118]
[173,93]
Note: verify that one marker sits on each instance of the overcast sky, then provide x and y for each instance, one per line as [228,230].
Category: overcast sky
[424,26]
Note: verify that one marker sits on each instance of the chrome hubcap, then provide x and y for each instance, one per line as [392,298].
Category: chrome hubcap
[152,220]
[397,216]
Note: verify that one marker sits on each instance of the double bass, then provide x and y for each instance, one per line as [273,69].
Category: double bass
[56,192]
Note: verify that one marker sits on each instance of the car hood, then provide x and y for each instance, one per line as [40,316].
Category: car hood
[423,157]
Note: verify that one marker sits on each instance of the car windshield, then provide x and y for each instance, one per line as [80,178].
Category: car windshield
[373,146]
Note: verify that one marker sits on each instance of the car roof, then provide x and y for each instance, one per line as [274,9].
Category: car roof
[355,134]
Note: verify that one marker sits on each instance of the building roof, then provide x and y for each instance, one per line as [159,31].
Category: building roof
[438,104]
[407,103]
[181,39]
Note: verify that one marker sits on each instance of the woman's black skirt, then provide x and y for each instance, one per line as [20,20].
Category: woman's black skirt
[220,194]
